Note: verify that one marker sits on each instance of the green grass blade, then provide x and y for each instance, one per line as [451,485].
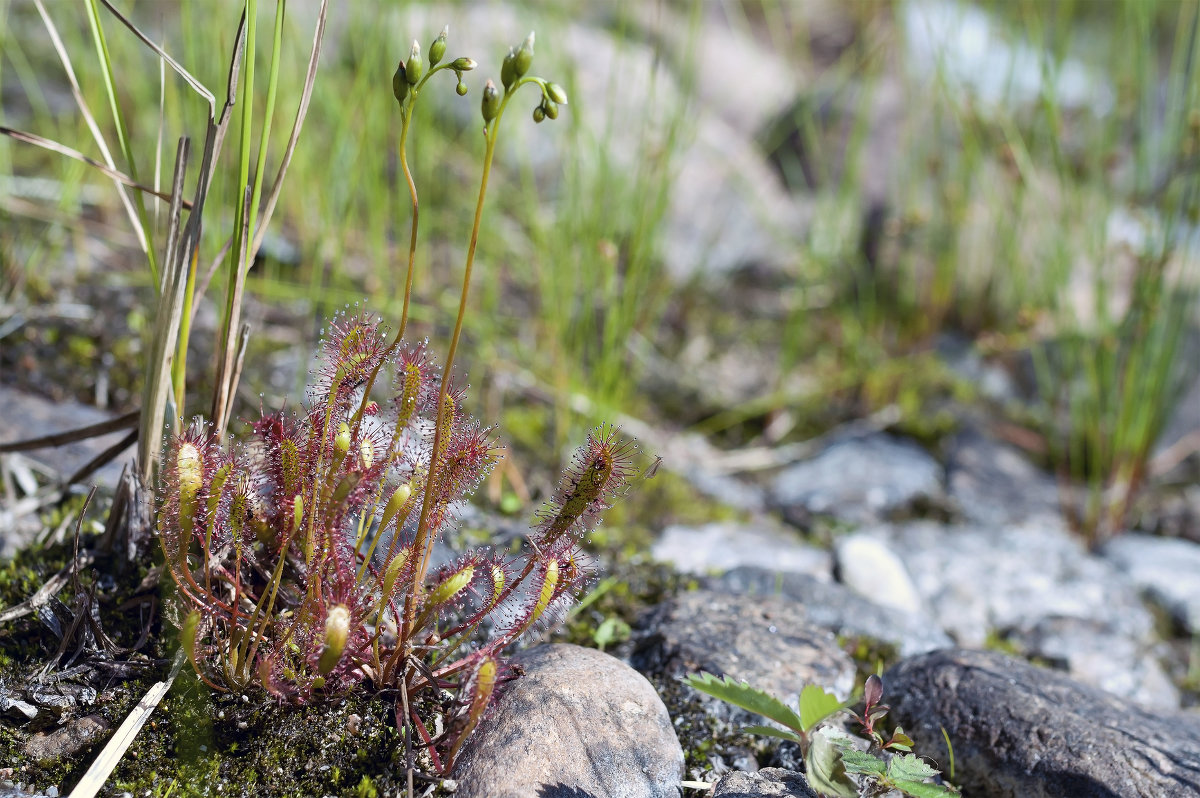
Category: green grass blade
[110,87]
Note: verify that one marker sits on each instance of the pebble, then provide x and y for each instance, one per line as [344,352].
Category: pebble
[578,722]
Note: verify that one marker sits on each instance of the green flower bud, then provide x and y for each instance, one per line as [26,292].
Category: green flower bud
[337,632]
[491,102]
[538,114]
[400,83]
[508,68]
[551,108]
[556,93]
[524,56]
[463,64]
[414,67]
[461,88]
[438,49]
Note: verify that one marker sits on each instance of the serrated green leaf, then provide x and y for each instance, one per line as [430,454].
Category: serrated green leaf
[816,704]
[856,761]
[823,767]
[910,767]
[919,789]
[749,698]
[771,731]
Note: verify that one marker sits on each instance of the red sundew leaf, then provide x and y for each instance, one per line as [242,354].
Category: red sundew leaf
[415,383]
[485,592]
[598,472]
[469,457]
[351,352]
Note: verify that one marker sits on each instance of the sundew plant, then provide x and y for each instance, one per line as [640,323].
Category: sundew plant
[302,555]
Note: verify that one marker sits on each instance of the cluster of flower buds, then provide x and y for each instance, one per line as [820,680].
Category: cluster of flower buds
[412,73]
[513,74]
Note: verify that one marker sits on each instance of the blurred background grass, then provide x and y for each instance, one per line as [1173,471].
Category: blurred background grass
[1015,178]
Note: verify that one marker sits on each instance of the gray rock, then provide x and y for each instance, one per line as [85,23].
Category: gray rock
[860,479]
[976,579]
[1166,569]
[838,609]
[728,209]
[763,640]
[1097,657]
[578,723]
[721,546]
[717,41]
[1012,581]
[67,740]
[992,483]
[766,783]
[1020,730]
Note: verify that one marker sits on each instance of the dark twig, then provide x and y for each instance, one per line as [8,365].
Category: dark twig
[104,458]
[72,435]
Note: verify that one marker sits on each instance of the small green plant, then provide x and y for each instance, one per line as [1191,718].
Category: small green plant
[831,757]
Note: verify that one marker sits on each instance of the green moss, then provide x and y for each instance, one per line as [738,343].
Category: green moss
[870,656]
[206,744]
[631,587]
[702,736]
[995,640]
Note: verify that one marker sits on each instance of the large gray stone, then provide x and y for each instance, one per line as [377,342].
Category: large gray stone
[977,579]
[721,546]
[860,479]
[993,483]
[578,723]
[838,609]
[1019,731]
[763,640]
[766,783]
[1037,586]
[1166,569]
